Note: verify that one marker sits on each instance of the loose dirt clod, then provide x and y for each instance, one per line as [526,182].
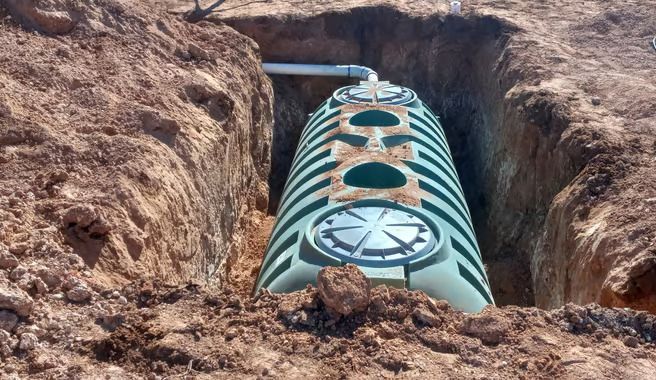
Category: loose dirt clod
[79,293]
[15,299]
[344,290]
[8,320]
[7,260]
[489,327]
[28,342]
[426,317]
[43,20]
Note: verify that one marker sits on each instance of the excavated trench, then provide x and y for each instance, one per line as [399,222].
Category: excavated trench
[503,134]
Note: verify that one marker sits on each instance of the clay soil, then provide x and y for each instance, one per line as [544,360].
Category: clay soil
[137,151]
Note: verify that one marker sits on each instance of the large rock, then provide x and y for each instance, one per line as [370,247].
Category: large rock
[13,298]
[344,290]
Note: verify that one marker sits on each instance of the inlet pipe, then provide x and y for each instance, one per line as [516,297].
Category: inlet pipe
[349,71]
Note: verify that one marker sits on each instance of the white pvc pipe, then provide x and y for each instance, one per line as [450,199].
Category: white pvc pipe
[350,71]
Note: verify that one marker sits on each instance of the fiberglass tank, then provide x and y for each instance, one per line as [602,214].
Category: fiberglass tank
[373,184]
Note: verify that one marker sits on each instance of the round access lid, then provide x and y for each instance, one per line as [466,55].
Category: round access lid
[376,93]
[375,236]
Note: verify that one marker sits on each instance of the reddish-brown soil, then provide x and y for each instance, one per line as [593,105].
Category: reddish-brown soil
[246,256]
[189,332]
[128,143]
[135,150]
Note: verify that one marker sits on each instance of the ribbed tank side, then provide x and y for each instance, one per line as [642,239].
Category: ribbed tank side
[301,198]
[444,198]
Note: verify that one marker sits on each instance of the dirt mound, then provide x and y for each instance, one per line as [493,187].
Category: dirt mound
[131,140]
[148,328]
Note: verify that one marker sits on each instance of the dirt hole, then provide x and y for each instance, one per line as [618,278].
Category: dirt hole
[503,143]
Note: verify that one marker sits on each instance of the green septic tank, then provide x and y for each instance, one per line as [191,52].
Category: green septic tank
[373,184]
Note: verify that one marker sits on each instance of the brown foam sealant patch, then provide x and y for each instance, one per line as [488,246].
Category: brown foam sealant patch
[408,195]
[348,156]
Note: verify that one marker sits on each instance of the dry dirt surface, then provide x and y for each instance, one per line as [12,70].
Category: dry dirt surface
[136,152]
[128,142]
[148,330]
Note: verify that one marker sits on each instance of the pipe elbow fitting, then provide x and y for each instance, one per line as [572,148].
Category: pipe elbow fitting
[367,74]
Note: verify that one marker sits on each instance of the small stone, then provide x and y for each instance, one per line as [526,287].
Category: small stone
[5,337]
[595,101]
[231,333]
[26,283]
[43,362]
[28,341]
[79,293]
[7,345]
[631,341]
[122,300]
[39,286]
[72,282]
[8,320]
[30,329]
[76,261]
[8,261]
[441,305]
[18,273]
[112,320]
[426,317]
[50,277]
[18,248]
[15,299]
[58,296]
[198,52]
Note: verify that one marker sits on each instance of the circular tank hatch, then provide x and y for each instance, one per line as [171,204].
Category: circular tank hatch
[375,236]
[376,93]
